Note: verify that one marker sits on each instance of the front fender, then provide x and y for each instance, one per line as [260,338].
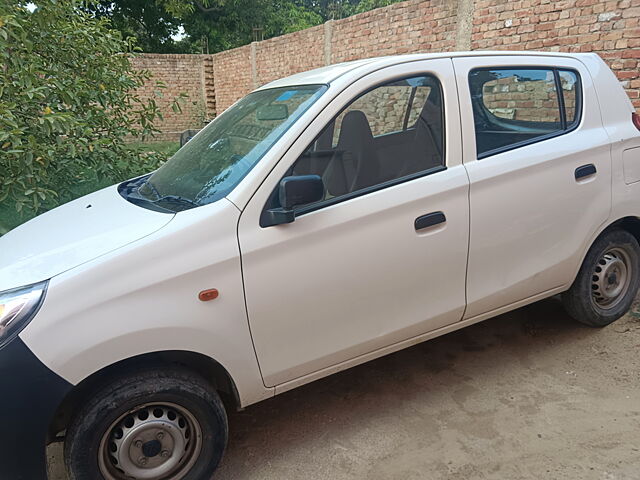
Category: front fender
[144,298]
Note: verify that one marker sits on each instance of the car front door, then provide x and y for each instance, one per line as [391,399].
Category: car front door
[382,258]
[540,172]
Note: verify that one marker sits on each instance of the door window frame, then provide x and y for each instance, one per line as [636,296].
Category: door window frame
[564,127]
[303,210]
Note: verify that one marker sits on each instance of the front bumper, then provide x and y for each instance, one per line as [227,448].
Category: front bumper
[29,396]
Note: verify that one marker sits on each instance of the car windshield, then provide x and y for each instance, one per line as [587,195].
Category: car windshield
[209,166]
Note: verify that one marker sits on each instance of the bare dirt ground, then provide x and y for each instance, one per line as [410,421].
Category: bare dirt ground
[527,395]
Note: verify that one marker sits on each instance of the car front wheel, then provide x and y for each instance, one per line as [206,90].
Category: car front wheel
[165,424]
[607,282]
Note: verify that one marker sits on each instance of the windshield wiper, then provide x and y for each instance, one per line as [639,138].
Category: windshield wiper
[172,199]
[147,183]
[176,200]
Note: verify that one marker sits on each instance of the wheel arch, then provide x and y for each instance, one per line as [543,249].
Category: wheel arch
[206,367]
[629,223]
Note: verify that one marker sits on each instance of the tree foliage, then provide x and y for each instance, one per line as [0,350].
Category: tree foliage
[148,21]
[216,25]
[238,22]
[68,101]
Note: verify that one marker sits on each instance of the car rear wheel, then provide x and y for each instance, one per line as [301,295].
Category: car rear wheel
[167,424]
[607,282]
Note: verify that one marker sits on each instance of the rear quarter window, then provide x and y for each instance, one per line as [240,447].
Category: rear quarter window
[570,84]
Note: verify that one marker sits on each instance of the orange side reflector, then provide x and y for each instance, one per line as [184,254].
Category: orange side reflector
[207,295]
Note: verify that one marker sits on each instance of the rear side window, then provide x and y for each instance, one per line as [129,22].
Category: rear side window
[513,107]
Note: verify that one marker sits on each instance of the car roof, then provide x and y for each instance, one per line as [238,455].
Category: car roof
[328,74]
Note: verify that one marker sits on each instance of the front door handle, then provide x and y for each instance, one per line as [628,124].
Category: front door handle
[585,171]
[429,220]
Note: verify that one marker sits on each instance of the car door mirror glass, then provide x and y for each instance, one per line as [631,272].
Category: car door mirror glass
[301,190]
[293,192]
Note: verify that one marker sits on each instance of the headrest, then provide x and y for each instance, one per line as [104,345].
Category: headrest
[355,127]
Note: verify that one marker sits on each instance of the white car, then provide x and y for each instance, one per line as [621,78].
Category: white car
[324,220]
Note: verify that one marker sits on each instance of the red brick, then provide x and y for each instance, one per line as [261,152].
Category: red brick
[410,26]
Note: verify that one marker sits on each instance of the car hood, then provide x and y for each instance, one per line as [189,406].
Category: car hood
[71,235]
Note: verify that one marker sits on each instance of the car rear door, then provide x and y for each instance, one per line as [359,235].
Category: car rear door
[540,180]
[383,257]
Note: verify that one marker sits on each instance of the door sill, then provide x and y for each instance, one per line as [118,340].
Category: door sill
[286,386]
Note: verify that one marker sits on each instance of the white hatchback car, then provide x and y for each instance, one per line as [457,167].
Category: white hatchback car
[323,220]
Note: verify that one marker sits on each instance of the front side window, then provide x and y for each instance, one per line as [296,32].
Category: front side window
[516,106]
[208,167]
[390,108]
[386,135]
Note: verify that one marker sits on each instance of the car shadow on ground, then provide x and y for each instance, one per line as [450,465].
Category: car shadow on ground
[314,419]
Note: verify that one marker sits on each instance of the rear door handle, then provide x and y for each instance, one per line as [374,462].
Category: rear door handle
[429,220]
[585,171]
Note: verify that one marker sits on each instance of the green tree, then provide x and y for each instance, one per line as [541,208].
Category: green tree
[68,101]
[216,25]
[148,21]
[238,22]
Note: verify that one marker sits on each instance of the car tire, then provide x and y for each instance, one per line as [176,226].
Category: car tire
[607,282]
[164,423]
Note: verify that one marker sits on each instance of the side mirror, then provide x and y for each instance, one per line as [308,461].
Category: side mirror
[294,191]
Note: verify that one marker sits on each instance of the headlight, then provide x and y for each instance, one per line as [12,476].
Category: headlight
[17,308]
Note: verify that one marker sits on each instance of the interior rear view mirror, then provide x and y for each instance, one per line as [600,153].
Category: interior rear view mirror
[273,112]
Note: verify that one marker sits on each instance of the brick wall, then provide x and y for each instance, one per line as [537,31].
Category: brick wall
[535,101]
[232,75]
[282,56]
[528,96]
[413,26]
[609,27]
[180,74]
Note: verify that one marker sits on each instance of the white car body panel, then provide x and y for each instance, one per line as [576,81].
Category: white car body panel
[144,298]
[351,278]
[340,285]
[69,236]
[319,75]
[616,110]
[527,209]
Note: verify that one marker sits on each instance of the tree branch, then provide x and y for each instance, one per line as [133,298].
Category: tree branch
[204,9]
